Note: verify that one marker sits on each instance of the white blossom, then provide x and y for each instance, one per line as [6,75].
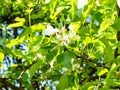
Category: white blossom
[82,3]
[97,3]
[50,30]
[64,69]
[65,40]
[47,1]
[72,34]
[118,2]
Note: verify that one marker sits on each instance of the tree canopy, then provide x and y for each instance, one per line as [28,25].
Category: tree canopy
[59,45]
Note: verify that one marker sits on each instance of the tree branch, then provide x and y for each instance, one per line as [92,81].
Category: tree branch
[88,59]
[6,84]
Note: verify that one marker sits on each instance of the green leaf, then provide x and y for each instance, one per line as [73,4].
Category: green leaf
[1,26]
[118,45]
[73,9]
[117,59]
[74,26]
[92,64]
[20,19]
[88,40]
[2,1]
[84,31]
[88,85]
[104,88]
[87,12]
[37,27]
[9,51]
[109,55]
[19,53]
[63,83]
[91,88]
[51,54]
[113,67]
[13,25]
[116,24]
[110,74]
[44,50]
[105,24]
[53,5]
[2,41]
[34,67]
[101,71]
[58,10]
[1,56]
[16,41]
[20,22]
[98,16]
[65,59]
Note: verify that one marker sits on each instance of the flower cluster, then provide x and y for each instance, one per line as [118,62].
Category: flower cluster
[50,30]
[62,36]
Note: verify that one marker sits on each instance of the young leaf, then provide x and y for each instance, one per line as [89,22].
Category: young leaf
[65,58]
[105,88]
[118,45]
[74,26]
[20,22]
[37,27]
[91,88]
[63,83]
[58,10]
[102,71]
[20,19]
[15,42]
[116,24]
[51,54]
[105,24]
[13,25]
[34,67]
[111,73]
[88,85]
[109,55]
[1,56]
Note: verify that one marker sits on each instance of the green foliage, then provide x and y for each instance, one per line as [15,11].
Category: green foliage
[34,67]
[101,71]
[63,82]
[1,56]
[116,24]
[65,59]
[61,44]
